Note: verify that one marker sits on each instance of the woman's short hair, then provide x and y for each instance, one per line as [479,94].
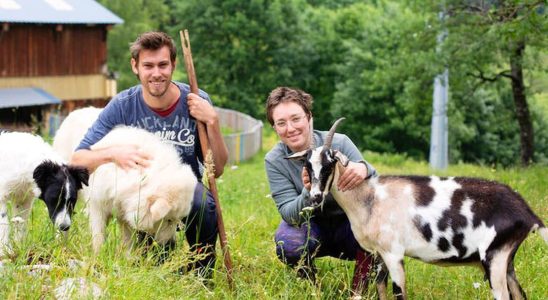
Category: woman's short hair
[286,94]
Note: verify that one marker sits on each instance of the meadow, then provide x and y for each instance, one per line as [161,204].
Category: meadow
[251,219]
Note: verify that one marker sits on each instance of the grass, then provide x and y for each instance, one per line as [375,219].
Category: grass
[251,219]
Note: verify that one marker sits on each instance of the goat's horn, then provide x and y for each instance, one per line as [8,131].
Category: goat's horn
[312,145]
[331,133]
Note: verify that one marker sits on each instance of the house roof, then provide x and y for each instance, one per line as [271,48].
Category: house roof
[56,11]
[16,97]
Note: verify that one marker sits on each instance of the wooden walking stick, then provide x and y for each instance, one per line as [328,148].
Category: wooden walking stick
[206,153]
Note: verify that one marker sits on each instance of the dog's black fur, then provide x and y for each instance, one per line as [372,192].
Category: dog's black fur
[53,179]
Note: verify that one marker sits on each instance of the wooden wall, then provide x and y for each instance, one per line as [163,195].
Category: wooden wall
[45,50]
[67,88]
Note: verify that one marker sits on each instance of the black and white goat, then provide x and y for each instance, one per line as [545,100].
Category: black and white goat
[437,220]
[29,168]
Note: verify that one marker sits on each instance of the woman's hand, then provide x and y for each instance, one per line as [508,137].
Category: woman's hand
[354,174]
[306,179]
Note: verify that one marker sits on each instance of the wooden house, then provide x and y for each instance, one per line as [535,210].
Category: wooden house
[53,58]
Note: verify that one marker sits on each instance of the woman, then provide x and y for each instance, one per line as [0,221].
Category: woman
[301,237]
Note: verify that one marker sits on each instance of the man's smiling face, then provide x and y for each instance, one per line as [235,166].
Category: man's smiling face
[154,70]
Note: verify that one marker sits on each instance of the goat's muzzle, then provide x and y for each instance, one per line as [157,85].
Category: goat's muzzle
[316,198]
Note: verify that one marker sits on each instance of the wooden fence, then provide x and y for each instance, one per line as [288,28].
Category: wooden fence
[247,139]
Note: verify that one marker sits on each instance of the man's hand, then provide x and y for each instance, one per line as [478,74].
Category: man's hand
[129,157]
[201,110]
[306,179]
[204,112]
[354,174]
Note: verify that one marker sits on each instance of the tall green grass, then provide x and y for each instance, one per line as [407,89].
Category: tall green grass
[251,219]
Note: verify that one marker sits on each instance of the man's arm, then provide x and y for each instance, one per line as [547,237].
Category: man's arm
[90,159]
[125,157]
[204,112]
[217,145]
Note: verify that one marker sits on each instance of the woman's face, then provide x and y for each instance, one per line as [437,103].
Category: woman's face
[292,125]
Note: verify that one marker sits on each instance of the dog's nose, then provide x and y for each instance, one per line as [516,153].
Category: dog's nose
[64,227]
[62,220]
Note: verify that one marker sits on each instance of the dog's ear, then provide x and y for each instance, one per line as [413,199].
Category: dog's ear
[43,172]
[80,174]
[159,209]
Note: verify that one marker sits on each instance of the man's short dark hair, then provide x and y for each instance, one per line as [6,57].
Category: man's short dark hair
[153,40]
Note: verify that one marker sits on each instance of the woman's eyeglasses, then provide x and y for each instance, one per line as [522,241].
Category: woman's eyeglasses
[295,120]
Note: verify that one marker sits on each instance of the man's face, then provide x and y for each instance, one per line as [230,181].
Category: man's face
[154,70]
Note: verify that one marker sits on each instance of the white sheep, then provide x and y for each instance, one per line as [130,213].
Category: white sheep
[72,130]
[31,169]
[151,200]
[437,220]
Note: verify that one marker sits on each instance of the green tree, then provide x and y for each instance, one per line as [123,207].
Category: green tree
[385,79]
[243,49]
[488,42]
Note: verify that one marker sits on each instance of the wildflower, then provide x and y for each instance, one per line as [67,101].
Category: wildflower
[308,209]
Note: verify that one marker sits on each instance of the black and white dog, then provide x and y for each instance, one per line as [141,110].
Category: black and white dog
[29,168]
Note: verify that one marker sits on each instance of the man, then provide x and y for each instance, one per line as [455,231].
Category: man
[168,109]
[299,239]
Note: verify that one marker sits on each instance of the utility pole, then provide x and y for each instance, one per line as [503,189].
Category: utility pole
[439,131]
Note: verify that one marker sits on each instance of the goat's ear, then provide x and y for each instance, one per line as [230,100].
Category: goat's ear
[159,209]
[340,157]
[81,175]
[301,155]
[43,172]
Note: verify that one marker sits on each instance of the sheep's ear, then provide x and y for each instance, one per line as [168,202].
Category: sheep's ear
[301,155]
[159,209]
[340,157]
[80,174]
[43,172]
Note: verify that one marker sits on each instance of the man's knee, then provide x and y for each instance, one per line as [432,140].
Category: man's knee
[201,223]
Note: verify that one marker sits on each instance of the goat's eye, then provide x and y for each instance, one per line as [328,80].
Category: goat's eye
[169,221]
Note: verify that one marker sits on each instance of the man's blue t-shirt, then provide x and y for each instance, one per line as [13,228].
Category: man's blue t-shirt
[129,108]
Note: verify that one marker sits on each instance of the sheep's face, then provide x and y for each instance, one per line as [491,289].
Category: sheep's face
[160,218]
[164,229]
[59,185]
[169,204]
[320,164]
